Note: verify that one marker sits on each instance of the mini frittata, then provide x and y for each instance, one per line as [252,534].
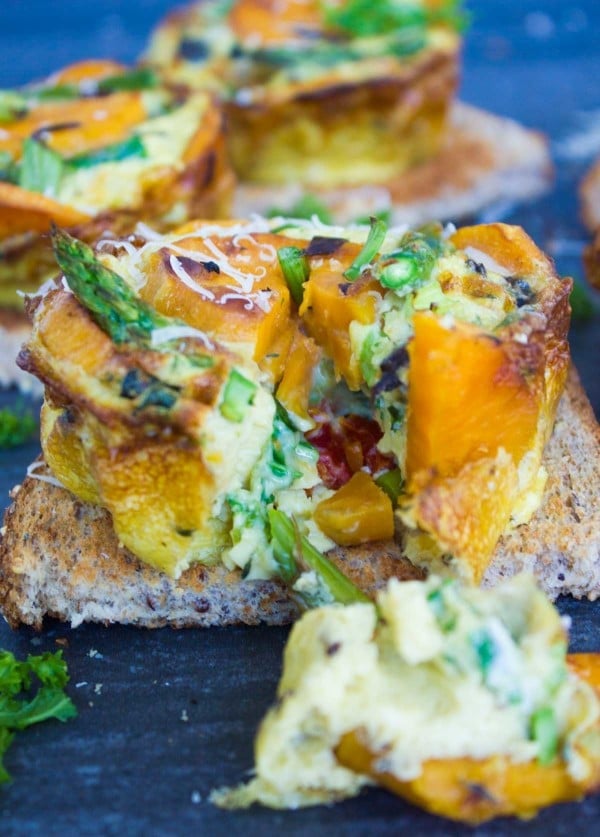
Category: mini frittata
[98,147]
[321,94]
[365,383]
[459,700]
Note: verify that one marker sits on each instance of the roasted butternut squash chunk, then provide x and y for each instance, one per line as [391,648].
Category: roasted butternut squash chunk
[296,383]
[473,791]
[331,304]
[358,512]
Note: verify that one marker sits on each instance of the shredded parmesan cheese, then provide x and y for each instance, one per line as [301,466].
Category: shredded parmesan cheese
[181,273]
[31,469]
[117,243]
[176,332]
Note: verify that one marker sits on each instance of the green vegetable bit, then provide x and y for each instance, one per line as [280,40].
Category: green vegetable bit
[365,18]
[370,249]
[141,78]
[384,215]
[109,299]
[296,270]
[31,692]
[392,482]
[485,649]
[9,169]
[445,616]
[17,426]
[583,304]
[544,730]
[41,168]
[306,208]
[291,548]
[12,105]
[237,397]
[131,147]
[409,266]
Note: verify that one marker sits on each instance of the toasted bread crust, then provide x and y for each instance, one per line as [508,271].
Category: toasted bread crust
[60,557]
[561,544]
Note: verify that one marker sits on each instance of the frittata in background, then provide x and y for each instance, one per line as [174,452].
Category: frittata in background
[95,148]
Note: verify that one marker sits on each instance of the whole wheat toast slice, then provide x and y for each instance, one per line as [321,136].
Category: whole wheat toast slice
[60,557]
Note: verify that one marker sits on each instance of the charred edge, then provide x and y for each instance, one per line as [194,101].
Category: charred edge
[322,245]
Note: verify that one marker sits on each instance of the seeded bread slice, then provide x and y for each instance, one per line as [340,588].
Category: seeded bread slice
[561,544]
[60,557]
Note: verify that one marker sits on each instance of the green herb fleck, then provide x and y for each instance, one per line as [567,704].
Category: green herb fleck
[12,105]
[392,482]
[31,692]
[544,730]
[9,169]
[237,397]
[363,18]
[409,266]
[305,207]
[131,147]
[384,215]
[296,270]
[583,304]
[41,168]
[369,250]
[485,649]
[141,78]
[17,426]
[445,617]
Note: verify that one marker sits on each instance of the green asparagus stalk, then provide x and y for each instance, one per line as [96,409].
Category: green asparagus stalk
[291,547]
[111,302]
[369,250]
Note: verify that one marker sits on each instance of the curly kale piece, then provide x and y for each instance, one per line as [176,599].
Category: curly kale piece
[31,692]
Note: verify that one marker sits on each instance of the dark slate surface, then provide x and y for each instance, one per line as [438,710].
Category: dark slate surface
[129,764]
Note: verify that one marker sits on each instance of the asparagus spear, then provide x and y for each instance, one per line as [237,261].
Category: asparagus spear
[290,548]
[128,319]
[111,302]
